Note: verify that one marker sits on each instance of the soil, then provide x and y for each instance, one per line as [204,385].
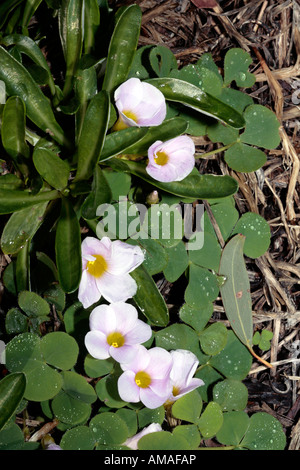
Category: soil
[270,32]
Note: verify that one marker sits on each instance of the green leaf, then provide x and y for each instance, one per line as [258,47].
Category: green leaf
[29,47]
[78,438]
[257,232]
[97,367]
[68,248]
[118,142]
[21,227]
[232,395]
[92,135]
[264,433]
[178,336]
[236,65]
[213,339]
[148,298]
[243,158]
[32,304]
[194,186]
[122,47]
[51,167]
[234,427]
[162,440]
[261,127]
[162,60]
[70,29]
[23,354]
[60,350]
[202,288]
[211,420]
[108,429]
[13,133]
[234,361]
[156,257]
[235,291]
[12,388]
[91,24]
[75,384]
[197,317]
[69,410]
[189,95]
[100,194]
[188,407]
[178,262]
[20,83]
[209,255]
[190,433]
[107,391]
[15,321]
[11,437]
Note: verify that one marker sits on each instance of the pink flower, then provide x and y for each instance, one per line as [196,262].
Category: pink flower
[132,442]
[115,331]
[139,104]
[184,367]
[172,160]
[147,377]
[105,270]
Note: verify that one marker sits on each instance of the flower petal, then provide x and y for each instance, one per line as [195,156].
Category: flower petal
[126,316]
[160,363]
[127,388]
[88,292]
[116,288]
[123,354]
[124,258]
[150,399]
[140,333]
[103,319]
[96,344]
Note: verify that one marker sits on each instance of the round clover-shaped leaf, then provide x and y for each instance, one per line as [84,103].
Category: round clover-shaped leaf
[209,255]
[211,420]
[77,387]
[244,158]
[69,410]
[178,336]
[108,429]
[202,288]
[163,440]
[78,438]
[264,433]
[196,317]
[189,432]
[234,427]
[213,339]
[32,304]
[257,232]
[232,395]
[23,354]
[97,367]
[261,127]
[147,416]
[188,407]
[60,350]
[236,65]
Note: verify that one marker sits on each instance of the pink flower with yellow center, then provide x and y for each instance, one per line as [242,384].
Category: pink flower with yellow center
[105,270]
[115,332]
[147,377]
[139,104]
[185,364]
[172,160]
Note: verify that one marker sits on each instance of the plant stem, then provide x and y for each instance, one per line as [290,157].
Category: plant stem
[213,152]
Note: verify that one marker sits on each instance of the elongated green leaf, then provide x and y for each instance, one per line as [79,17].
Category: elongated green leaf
[100,194]
[117,142]
[21,227]
[92,135]
[19,82]
[165,131]
[29,47]
[122,47]
[85,88]
[30,8]
[12,389]
[91,24]
[188,94]
[193,186]
[235,291]
[13,133]
[149,299]
[15,200]
[68,248]
[70,25]
[51,167]
[5,9]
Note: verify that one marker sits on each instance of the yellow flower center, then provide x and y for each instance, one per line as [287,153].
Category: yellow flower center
[142,379]
[115,339]
[175,391]
[120,124]
[161,158]
[97,267]
[130,115]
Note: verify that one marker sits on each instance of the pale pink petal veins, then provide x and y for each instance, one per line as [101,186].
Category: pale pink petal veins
[103,318]
[88,292]
[124,258]
[116,288]
[139,334]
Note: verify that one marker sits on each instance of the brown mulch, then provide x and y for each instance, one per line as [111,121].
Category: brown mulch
[270,32]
